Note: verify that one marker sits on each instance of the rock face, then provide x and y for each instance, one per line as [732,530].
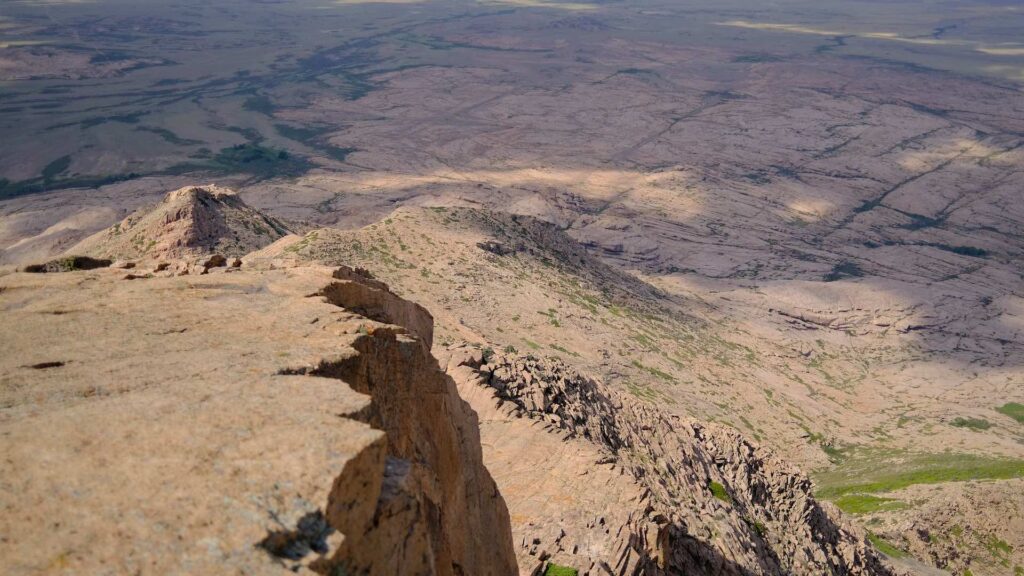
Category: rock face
[713,503]
[191,222]
[239,422]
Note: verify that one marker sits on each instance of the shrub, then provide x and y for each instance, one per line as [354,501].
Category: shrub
[971,423]
[719,491]
[68,264]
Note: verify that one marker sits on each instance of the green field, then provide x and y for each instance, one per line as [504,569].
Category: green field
[871,472]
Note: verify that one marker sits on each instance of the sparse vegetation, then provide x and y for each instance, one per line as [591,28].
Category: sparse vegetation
[997,547]
[9,189]
[976,424]
[55,168]
[563,350]
[885,547]
[962,250]
[758,527]
[1014,410]
[842,270]
[642,392]
[257,160]
[654,371]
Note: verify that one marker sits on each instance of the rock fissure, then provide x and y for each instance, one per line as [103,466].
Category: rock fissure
[433,498]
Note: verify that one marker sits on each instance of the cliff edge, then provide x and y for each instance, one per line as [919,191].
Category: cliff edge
[235,422]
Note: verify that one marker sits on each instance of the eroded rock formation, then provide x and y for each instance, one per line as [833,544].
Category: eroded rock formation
[191,222]
[712,503]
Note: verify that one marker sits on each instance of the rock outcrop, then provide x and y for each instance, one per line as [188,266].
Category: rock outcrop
[713,502]
[242,422]
[192,222]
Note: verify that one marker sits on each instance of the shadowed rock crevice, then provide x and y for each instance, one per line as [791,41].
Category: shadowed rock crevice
[68,264]
[309,536]
[422,501]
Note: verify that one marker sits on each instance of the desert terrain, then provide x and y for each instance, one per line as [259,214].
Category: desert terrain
[801,221]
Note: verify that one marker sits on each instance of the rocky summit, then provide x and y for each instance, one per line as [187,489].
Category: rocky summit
[191,222]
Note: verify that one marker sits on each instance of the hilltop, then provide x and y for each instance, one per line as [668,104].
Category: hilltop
[191,222]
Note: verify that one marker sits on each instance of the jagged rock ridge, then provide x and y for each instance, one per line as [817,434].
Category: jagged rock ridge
[716,503]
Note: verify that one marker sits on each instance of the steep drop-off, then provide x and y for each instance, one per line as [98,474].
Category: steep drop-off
[246,422]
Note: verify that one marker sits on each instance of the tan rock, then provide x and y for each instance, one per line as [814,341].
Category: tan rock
[208,425]
[194,221]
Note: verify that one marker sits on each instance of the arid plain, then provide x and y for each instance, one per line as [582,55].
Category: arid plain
[802,220]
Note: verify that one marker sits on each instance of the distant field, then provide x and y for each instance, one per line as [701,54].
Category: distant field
[171,82]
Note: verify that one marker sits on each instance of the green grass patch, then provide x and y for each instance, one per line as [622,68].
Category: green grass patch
[719,491]
[867,472]
[1014,410]
[758,527]
[642,392]
[885,547]
[556,570]
[997,547]
[654,371]
[563,350]
[866,504]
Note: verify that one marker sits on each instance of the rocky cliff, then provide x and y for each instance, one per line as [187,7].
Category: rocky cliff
[711,502]
[241,421]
